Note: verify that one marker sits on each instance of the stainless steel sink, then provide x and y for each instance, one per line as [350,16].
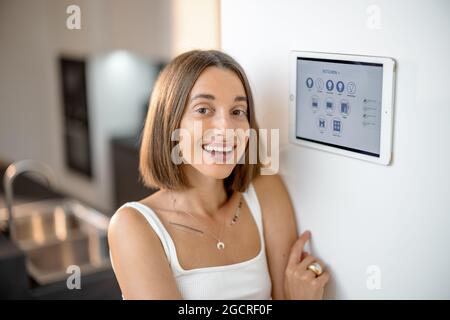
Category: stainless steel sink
[58,233]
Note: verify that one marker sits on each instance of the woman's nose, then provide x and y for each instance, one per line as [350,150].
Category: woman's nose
[223,120]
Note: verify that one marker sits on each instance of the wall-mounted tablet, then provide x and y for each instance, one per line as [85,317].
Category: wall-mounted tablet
[342,104]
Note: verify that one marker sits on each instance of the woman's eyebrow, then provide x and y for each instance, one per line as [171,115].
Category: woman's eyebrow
[203,95]
[211,97]
[240,98]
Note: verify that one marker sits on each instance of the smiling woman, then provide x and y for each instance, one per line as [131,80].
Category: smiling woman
[216,229]
[197,88]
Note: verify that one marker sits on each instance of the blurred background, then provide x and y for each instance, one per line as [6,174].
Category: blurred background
[73,98]
[75,81]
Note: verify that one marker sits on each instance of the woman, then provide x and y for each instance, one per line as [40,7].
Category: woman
[216,229]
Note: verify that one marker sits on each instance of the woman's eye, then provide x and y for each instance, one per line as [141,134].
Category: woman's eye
[239,112]
[202,110]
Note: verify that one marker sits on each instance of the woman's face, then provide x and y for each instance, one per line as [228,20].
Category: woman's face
[214,126]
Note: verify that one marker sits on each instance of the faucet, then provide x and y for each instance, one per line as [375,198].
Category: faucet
[14,170]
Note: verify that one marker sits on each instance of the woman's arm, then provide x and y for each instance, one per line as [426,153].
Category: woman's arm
[140,263]
[280,228]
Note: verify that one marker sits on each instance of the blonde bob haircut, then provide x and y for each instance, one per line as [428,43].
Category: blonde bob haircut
[166,108]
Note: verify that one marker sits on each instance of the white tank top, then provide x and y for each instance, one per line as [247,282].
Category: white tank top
[249,279]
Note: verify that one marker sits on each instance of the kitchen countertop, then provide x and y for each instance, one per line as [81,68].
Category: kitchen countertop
[14,280]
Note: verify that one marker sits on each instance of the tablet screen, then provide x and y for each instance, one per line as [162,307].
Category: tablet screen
[339,104]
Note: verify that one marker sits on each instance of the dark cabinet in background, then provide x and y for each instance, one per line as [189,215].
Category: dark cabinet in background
[127,187]
[77,146]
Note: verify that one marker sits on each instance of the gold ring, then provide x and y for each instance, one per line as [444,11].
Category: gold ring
[316,268]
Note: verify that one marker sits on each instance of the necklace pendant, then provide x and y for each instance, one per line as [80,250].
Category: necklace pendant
[220,245]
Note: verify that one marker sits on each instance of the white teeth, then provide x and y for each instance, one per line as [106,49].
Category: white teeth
[217,148]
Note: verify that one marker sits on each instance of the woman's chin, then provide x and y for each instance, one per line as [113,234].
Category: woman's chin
[216,171]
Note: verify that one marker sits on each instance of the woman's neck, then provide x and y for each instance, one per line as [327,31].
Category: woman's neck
[205,198]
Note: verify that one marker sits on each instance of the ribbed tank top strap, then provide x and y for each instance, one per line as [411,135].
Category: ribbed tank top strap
[253,203]
[158,227]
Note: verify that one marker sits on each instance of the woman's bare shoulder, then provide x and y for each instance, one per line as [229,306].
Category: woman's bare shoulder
[271,190]
[140,263]
[265,181]
[127,222]
[274,198]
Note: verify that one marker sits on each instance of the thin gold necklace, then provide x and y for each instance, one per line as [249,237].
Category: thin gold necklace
[219,244]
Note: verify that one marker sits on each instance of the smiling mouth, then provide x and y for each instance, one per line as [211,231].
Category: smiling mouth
[219,152]
[218,149]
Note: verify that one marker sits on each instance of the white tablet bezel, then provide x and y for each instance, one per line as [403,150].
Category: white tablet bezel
[386,105]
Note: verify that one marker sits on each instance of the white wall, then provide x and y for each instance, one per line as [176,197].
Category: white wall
[394,217]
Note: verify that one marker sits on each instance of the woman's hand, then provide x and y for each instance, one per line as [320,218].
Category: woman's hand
[299,282]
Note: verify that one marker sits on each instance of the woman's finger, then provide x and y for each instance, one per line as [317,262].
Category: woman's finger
[322,280]
[306,262]
[304,255]
[297,249]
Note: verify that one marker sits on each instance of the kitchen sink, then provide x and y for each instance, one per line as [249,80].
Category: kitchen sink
[58,233]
